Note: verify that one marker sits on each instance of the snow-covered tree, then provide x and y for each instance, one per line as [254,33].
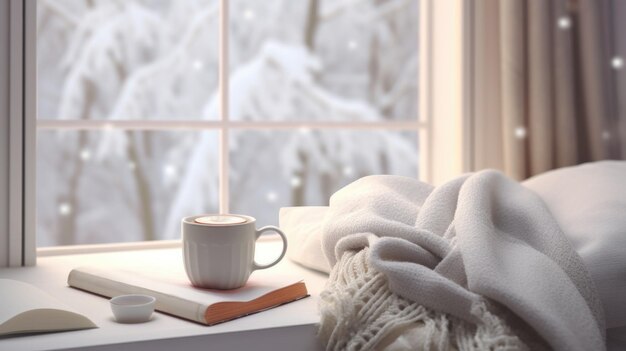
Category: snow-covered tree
[309,60]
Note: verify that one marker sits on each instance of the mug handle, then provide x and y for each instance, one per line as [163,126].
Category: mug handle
[255,265]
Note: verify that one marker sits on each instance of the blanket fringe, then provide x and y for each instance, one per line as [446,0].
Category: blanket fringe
[360,312]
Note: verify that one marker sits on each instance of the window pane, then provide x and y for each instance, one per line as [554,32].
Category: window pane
[305,167]
[131,59]
[323,60]
[115,186]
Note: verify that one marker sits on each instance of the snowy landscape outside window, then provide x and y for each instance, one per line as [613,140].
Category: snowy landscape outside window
[320,93]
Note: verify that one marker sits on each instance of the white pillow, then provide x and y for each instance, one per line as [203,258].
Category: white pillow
[589,203]
[303,227]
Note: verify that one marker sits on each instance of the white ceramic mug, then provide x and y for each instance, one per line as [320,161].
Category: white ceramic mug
[219,249]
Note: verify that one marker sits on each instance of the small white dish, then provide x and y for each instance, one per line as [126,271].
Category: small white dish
[132,308]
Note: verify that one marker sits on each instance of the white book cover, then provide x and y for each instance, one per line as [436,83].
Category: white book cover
[173,292]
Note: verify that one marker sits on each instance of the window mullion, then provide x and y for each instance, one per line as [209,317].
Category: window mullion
[224,163]
[129,124]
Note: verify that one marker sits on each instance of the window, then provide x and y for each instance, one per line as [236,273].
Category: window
[152,110]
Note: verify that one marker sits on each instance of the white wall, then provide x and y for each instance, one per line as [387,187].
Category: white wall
[4,133]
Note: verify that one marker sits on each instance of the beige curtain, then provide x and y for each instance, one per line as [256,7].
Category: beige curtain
[544,92]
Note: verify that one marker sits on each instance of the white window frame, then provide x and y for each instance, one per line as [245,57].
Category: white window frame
[445,86]
[442,113]
[21,136]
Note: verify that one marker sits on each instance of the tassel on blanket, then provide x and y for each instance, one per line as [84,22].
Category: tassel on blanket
[360,312]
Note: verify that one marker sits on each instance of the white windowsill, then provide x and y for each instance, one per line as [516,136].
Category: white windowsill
[288,327]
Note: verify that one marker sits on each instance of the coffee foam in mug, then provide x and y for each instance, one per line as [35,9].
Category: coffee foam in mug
[220,220]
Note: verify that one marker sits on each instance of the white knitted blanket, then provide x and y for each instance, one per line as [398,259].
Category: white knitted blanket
[477,263]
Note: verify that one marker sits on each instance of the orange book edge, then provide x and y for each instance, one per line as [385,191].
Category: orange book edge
[220,312]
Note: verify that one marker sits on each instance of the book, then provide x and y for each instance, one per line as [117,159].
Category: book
[27,309]
[176,296]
